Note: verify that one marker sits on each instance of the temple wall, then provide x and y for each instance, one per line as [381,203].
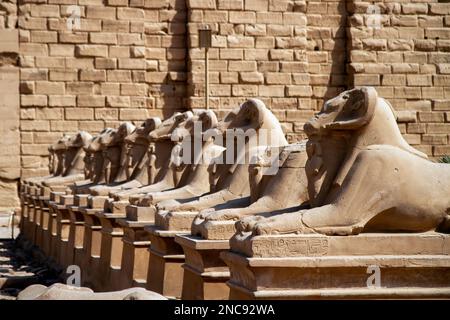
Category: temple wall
[407,60]
[125,61]
[130,59]
[9,106]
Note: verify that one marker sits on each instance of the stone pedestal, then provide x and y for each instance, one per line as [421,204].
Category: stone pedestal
[339,267]
[62,235]
[76,234]
[64,250]
[165,274]
[53,231]
[91,246]
[135,254]
[77,225]
[23,209]
[41,220]
[31,223]
[39,209]
[110,251]
[116,207]
[29,211]
[31,192]
[205,273]
[166,255]
[49,224]
[137,213]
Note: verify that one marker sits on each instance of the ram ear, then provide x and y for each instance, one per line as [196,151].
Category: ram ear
[254,110]
[358,111]
[86,138]
[129,128]
[208,119]
[155,122]
[185,116]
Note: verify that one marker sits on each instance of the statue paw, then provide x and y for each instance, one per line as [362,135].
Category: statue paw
[264,228]
[222,216]
[282,224]
[247,224]
[146,200]
[205,213]
[186,207]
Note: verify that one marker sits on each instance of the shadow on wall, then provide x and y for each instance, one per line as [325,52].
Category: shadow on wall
[338,80]
[170,96]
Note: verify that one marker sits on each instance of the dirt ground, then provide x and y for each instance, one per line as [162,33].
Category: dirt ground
[19,268]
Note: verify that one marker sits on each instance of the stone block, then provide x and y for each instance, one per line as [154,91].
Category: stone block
[86,50]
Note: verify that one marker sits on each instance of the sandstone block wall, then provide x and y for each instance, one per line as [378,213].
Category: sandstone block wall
[290,54]
[130,59]
[407,59]
[9,106]
[126,61]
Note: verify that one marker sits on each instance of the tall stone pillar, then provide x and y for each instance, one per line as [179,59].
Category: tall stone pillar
[9,119]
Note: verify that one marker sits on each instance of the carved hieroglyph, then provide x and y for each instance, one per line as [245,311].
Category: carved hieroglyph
[381,184]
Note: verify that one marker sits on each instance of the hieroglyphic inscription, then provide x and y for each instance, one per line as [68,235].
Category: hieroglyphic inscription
[284,247]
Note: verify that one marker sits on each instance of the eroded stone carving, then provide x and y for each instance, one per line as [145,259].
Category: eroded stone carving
[197,182]
[94,163]
[129,171]
[59,291]
[56,152]
[114,157]
[283,192]
[73,160]
[159,144]
[265,130]
[381,184]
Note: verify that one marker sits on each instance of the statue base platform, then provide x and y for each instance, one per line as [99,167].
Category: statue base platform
[91,246]
[76,235]
[97,202]
[39,216]
[137,213]
[52,240]
[205,273]
[216,230]
[110,251]
[63,255]
[33,207]
[165,272]
[135,254]
[168,255]
[116,207]
[77,224]
[81,200]
[175,220]
[365,266]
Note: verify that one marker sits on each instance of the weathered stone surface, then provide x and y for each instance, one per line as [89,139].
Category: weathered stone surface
[60,291]
[361,245]
[10,113]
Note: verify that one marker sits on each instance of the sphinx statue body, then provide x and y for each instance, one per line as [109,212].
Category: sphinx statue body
[253,123]
[197,181]
[56,162]
[161,172]
[374,186]
[66,165]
